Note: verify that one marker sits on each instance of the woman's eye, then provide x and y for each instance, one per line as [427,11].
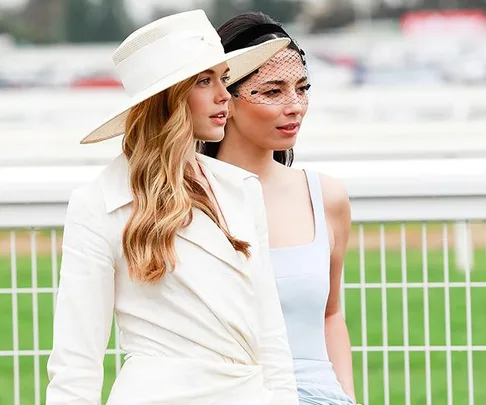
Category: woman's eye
[305,88]
[272,92]
[204,81]
[225,79]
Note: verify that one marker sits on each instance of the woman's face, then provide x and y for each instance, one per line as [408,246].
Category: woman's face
[208,102]
[269,107]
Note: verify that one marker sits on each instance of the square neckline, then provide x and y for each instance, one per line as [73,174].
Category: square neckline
[314,237]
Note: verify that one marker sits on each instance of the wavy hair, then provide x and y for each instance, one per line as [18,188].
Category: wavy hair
[157,143]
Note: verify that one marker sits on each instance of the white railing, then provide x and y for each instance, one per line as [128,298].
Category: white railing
[413,293]
[356,123]
[41,108]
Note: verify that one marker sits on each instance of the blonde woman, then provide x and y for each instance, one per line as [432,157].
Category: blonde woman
[172,242]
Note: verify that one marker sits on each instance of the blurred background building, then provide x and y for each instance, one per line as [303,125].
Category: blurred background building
[385,73]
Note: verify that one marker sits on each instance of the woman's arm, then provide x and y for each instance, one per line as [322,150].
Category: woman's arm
[338,216]
[84,309]
[276,358]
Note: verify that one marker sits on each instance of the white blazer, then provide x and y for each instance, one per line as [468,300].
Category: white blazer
[210,332]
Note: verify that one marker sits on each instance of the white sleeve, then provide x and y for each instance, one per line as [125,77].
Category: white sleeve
[84,309]
[276,357]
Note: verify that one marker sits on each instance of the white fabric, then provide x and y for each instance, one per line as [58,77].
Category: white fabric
[165,56]
[211,332]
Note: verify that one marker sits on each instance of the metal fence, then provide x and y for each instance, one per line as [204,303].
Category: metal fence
[413,292]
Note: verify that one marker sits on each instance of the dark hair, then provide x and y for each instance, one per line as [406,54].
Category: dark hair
[236,27]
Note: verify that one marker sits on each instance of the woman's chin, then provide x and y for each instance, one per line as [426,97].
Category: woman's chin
[213,136]
[285,145]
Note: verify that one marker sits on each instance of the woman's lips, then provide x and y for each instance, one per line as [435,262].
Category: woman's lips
[290,129]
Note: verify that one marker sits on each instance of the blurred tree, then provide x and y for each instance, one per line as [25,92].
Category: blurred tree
[76,21]
[432,4]
[112,22]
[472,4]
[281,10]
[442,4]
[334,14]
[77,24]
[3,24]
[391,10]
[39,21]
[223,10]
[162,11]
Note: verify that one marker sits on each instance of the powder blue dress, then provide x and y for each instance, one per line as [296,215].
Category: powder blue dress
[302,275]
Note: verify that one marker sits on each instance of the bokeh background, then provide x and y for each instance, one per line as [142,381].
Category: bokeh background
[398,112]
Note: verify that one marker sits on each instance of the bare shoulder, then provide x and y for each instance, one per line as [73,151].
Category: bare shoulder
[337,210]
[335,195]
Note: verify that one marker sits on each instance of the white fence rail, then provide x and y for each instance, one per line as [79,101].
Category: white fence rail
[356,123]
[413,295]
[410,190]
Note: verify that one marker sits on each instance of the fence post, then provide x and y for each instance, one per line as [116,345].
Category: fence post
[463,246]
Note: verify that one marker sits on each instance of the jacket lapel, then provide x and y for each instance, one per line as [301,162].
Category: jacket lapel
[206,234]
[229,192]
[227,183]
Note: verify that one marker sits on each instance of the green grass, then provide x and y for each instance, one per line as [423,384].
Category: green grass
[417,331]
[374,304]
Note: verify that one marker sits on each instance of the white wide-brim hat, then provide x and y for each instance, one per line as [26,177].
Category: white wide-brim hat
[168,51]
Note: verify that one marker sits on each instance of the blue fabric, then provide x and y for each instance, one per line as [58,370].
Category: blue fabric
[302,277]
[317,384]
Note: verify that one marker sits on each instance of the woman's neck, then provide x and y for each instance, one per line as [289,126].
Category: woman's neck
[239,152]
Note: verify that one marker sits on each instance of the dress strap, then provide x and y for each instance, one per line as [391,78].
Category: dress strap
[315,191]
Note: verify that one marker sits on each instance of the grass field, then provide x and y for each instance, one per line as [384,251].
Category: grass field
[374,304]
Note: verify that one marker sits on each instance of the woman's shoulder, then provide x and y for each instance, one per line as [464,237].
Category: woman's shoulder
[334,192]
[87,202]
[335,196]
[108,191]
[333,189]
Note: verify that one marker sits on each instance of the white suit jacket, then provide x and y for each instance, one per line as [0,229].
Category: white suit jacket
[210,332]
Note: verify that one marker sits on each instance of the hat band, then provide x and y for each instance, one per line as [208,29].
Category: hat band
[152,63]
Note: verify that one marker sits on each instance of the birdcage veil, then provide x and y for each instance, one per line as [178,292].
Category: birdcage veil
[282,80]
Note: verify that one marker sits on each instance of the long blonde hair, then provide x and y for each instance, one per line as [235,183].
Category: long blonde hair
[157,143]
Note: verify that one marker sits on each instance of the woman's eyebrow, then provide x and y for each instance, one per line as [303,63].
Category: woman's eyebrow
[281,82]
[212,72]
[276,82]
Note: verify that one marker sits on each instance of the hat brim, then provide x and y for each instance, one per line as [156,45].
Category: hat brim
[241,63]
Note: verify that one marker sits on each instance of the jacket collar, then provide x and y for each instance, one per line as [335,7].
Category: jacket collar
[227,184]
[115,181]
